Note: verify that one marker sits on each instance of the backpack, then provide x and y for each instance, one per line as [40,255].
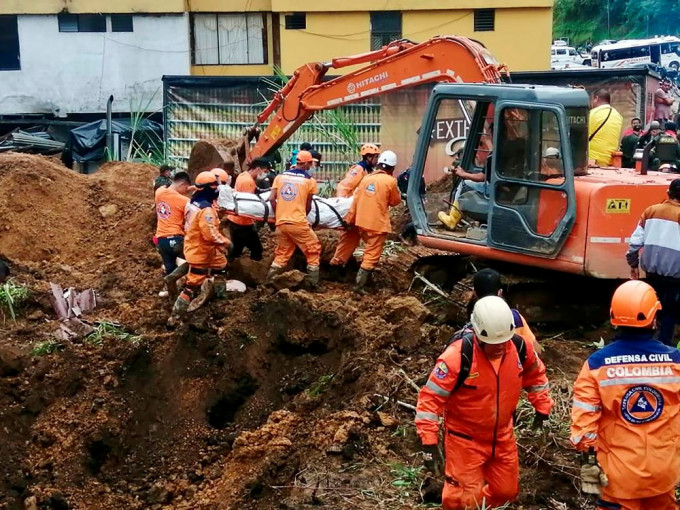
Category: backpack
[466,335]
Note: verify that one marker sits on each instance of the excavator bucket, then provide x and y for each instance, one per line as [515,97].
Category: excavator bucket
[230,154]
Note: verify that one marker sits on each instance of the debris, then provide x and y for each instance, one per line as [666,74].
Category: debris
[387,420]
[69,306]
[31,503]
[108,210]
[235,286]
[288,280]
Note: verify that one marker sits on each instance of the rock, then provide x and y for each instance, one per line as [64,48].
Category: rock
[402,308]
[108,210]
[158,494]
[10,362]
[288,280]
[387,420]
[36,316]
[31,503]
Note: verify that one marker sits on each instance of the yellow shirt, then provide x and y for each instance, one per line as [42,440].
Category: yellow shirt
[606,141]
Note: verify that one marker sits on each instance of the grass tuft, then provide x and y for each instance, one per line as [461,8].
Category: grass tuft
[46,347]
[12,296]
[112,330]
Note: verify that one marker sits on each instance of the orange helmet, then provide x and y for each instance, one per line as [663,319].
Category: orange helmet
[634,304]
[369,148]
[305,157]
[221,175]
[206,179]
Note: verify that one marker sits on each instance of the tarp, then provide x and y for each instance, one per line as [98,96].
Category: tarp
[88,142]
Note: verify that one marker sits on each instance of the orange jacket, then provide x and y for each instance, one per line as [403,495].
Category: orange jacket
[352,179]
[370,209]
[245,184]
[170,212]
[203,241]
[293,188]
[482,408]
[626,406]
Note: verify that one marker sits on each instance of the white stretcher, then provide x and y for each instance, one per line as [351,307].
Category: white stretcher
[325,213]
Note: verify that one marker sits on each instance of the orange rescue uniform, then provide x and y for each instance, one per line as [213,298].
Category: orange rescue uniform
[204,247]
[170,207]
[293,190]
[351,181]
[370,213]
[481,452]
[626,407]
[246,184]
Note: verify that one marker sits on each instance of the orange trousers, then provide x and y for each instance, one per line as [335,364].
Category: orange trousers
[199,273]
[290,235]
[476,473]
[660,502]
[374,242]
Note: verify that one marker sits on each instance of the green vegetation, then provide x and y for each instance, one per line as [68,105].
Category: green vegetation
[46,347]
[112,330]
[12,296]
[320,385]
[595,20]
[405,477]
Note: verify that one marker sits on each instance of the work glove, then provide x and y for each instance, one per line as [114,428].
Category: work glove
[539,420]
[433,459]
[592,476]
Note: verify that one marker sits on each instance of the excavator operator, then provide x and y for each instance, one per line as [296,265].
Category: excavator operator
[369,158]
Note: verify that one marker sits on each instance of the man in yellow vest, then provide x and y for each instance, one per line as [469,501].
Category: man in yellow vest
[604,129]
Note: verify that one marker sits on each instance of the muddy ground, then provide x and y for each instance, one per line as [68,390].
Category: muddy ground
[268,399]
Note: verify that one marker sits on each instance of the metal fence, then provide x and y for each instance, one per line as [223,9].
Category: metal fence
[199,108]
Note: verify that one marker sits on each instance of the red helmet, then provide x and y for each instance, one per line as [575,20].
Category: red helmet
[634,304]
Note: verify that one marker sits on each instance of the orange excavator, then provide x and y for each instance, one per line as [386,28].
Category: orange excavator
[540,203]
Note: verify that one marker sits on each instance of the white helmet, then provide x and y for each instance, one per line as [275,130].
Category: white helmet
[492,320]
[388,158]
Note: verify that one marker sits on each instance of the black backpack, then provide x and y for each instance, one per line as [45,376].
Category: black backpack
[466,335]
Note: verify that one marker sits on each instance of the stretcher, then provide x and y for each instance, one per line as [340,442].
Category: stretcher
[325,212]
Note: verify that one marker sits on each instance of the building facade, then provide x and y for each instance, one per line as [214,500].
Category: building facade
[63,57]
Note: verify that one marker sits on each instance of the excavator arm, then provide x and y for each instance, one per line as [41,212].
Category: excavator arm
[396,66]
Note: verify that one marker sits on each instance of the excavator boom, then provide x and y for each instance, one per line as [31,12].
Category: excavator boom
[396,66]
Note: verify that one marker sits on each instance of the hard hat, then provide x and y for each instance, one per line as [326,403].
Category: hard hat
[305,157]
[492,320]
[206,179]
[369,148]
[552,152]
[654,125]
[388,158]
[221,175]
[634,304]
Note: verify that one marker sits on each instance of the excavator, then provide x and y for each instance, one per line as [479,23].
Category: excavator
[541,204]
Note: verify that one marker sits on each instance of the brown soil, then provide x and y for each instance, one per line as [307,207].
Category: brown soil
[263,400]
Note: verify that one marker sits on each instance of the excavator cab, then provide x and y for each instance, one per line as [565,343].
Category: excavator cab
[524,146]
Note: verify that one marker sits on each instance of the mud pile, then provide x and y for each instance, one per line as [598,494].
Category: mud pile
[263,400]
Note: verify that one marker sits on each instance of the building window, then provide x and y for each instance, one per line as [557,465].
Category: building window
[296,21]
[9,44]
[121,23]
[485,20]
[385,28]
[82,22]
[229,39]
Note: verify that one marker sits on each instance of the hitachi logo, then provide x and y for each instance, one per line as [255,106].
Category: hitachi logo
[352,87]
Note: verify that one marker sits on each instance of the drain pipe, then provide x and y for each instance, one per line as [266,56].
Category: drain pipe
[109,129]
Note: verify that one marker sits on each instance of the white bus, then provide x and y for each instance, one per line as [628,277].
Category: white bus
[664,51]
[563,56]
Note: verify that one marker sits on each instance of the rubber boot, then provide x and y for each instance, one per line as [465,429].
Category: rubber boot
[451,220]
[171,279]
[206,294]
[179,310]
[362,279]
[313,276]
[273,271]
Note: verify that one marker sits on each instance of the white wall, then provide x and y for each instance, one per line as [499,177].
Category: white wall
[76,72]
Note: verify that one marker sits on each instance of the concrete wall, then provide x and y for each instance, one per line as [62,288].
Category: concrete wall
[76,72]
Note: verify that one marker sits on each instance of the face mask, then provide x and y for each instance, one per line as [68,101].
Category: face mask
[261,177]
[637,128]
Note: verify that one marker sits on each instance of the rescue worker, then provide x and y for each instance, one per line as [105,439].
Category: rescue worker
[626,402]
[475,385]
[291,199]
[666,149]
[370,215]
[171,203]
[164,177]
[204,246]
[488,282]
[657,236]
[222,176]
[242,230]
[369,157]
[650,134]
[604,128]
